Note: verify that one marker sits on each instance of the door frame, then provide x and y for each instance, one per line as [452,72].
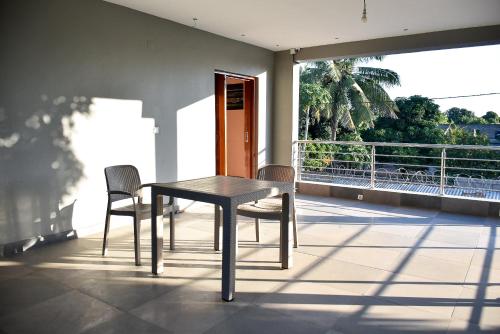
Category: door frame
[251,82]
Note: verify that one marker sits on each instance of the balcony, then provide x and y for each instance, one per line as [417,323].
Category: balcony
[360,268]
[400,173]
[137,85]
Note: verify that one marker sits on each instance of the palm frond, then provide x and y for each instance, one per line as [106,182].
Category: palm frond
[381,76]
[345,118]
[380,102]
[364,60]
[360,106]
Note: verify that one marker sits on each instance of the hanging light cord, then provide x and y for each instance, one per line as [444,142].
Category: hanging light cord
[364,18]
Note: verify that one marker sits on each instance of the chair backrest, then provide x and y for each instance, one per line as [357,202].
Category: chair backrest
[276,173]
[122,178]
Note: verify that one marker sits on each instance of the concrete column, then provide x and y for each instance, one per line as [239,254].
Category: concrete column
[286,107]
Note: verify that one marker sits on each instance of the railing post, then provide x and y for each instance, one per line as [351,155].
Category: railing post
[442,179]
[372,168]
[300,157]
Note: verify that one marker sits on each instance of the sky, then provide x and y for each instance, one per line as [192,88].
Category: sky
[452,72]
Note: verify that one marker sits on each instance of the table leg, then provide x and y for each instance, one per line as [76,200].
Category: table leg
[286,252]
[156,233]
[228,251]
[217,228]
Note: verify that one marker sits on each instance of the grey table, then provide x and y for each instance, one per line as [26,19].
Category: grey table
[226,192]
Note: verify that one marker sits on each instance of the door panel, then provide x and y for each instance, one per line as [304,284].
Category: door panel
[237,161]
[236,131]
[249,134]
[220,124]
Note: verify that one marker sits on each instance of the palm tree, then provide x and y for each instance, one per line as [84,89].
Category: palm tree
[313,97]
[357,93]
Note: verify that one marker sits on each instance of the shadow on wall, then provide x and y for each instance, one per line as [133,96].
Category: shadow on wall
[52,163]
[37,169]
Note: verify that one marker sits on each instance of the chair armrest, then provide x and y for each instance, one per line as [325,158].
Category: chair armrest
[146,185]
[119,192]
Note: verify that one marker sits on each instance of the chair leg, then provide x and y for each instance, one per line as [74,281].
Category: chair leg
[137,240]
[295,236]
[257,230]
[106,231]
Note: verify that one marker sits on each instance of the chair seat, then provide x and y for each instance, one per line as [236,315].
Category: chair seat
[143,210]
[268,208]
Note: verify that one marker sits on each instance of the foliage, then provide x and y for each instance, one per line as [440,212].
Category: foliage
[491,117]
[463,116]
[320,129]
[314,98]
[417,122]
[342,99]
[321,157]
[356,93]
[318,156]
[459,136]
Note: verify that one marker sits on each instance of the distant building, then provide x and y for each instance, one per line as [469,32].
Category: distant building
[490,130]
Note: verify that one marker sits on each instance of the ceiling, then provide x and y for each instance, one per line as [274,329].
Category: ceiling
[284,24]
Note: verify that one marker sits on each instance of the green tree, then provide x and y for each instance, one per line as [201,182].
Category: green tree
[417,122]
[491,117]
[456,135]
[463,116]
[313,98]
[357,93]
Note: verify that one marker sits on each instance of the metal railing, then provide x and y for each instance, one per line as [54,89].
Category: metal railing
[471,171]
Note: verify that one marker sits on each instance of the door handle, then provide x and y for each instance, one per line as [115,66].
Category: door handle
[246,136]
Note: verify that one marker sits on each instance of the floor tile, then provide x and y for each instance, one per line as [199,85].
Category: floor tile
[21,292]
[419,293]
[458,326]
[467,236]
[312,302]
[344,275]
[360,268]
[12,269]
[385,318]
[424,247]
[72,312]
[126,292]
[192,309]
[255,319]
[126,324]
[478,275]
[431,268]
[479,305]
[486,258]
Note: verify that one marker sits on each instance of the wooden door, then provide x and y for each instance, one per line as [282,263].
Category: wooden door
[220,124]
[246,154]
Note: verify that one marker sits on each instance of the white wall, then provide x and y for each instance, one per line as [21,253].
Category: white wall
[113,133]
[196,140]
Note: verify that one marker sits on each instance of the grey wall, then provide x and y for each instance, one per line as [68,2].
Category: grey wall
[286,106]
[82,83]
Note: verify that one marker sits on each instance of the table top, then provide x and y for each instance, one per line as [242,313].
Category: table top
[225,186]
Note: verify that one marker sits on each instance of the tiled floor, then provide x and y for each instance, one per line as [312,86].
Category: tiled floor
[361,268]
